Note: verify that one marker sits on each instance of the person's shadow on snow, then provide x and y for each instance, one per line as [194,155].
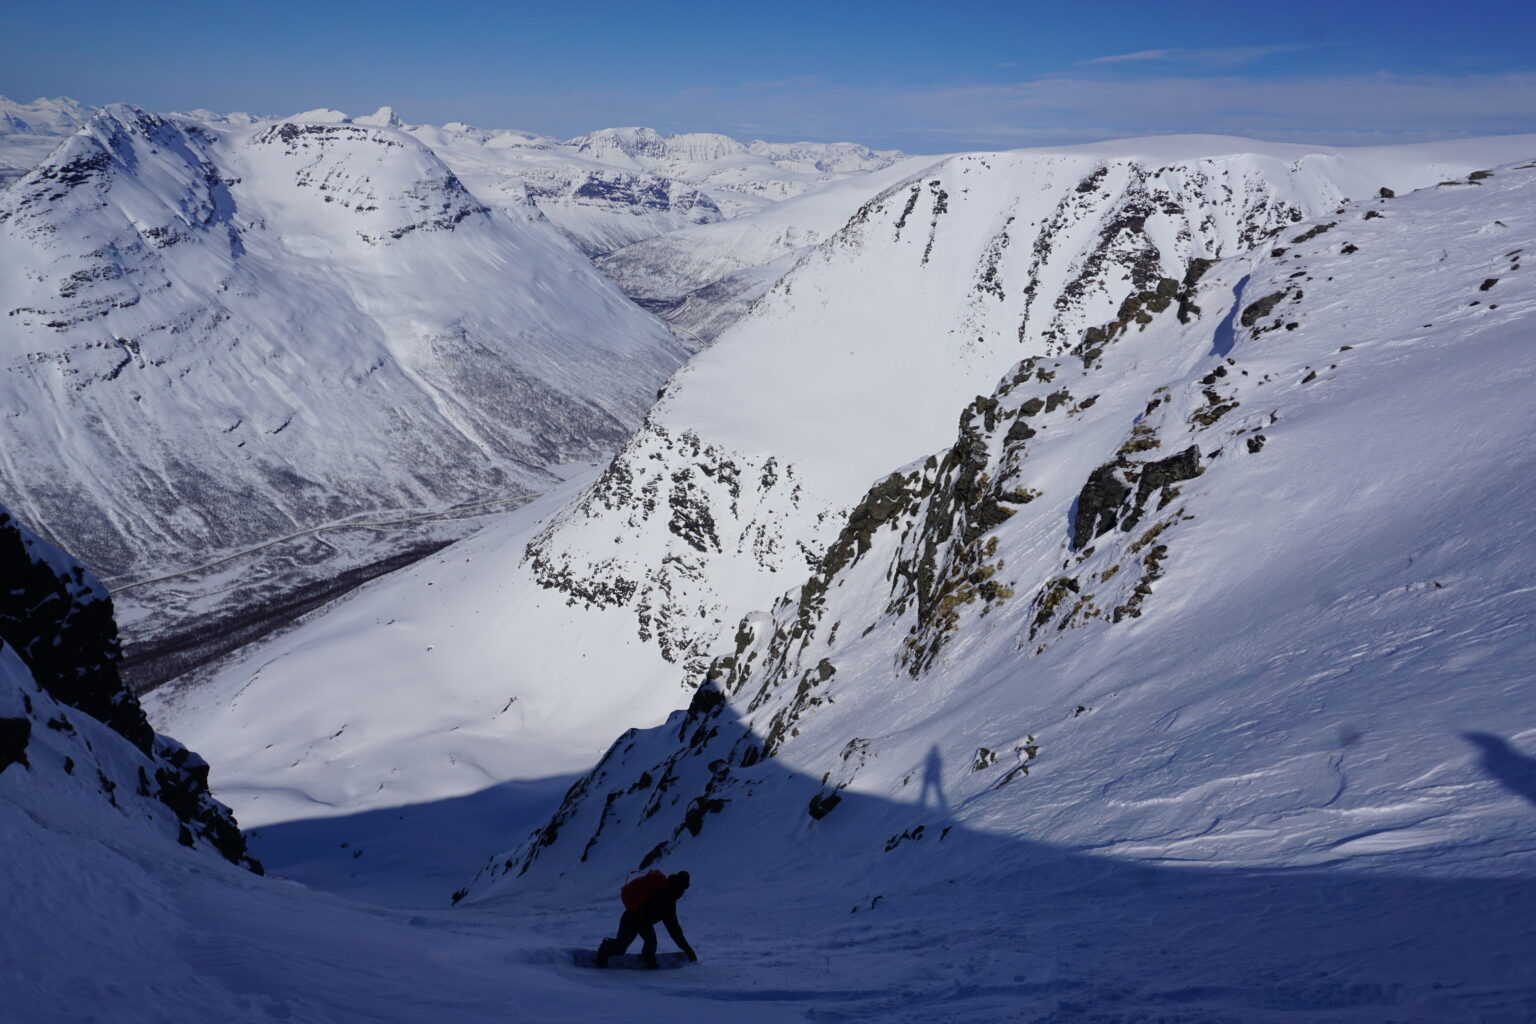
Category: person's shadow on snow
[932,795]
[1513,770]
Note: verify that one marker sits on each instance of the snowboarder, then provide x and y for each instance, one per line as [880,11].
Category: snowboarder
[650,899]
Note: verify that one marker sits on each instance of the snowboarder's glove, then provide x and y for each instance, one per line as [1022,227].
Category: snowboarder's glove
[693,957]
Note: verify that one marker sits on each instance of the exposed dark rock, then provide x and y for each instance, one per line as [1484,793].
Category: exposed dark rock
[822,804]
[984,759]
[1260,308]
[60,621]
[14,734]
[1164,473]
[1098,503]
[1313,232]
[63,628]
[693,820]
[1387,193]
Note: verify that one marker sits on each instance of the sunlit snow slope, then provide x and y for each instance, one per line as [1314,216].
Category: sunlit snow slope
[856,360]
[605,607]
[703,278]
[437,681]
[1192,682]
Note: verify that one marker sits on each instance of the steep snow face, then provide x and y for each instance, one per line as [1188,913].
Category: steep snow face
[73,741]
[855,360]
[235,336]
[1206,644]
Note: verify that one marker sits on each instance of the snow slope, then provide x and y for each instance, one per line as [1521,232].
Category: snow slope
[600,608]
[234,336]
[438,681]
[701,279]
[1190,683]
[109,918]
[855,361]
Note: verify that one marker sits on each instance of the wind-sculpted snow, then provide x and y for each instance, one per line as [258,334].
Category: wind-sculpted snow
[854,361]
[1246,607]
[232,336]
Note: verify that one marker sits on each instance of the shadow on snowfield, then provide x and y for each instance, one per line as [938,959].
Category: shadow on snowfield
[1504,764]
[875,909]
[411,856]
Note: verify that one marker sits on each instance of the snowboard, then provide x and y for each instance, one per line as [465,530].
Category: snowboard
[629,961]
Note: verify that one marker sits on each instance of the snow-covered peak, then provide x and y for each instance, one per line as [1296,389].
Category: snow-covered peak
[321,115]
[702,147]
[384,117]
[42,116]
[612,145]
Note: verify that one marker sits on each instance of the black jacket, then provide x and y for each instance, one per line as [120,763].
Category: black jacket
[661,908]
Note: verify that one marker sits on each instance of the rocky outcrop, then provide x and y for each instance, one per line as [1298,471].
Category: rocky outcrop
[58,619]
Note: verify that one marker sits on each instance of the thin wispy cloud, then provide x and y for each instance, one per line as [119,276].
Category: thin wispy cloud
[1054,110]
[1211,56]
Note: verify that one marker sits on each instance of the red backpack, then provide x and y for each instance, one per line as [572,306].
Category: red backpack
[636,891]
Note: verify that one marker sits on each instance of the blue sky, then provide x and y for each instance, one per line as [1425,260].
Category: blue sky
[926,77]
